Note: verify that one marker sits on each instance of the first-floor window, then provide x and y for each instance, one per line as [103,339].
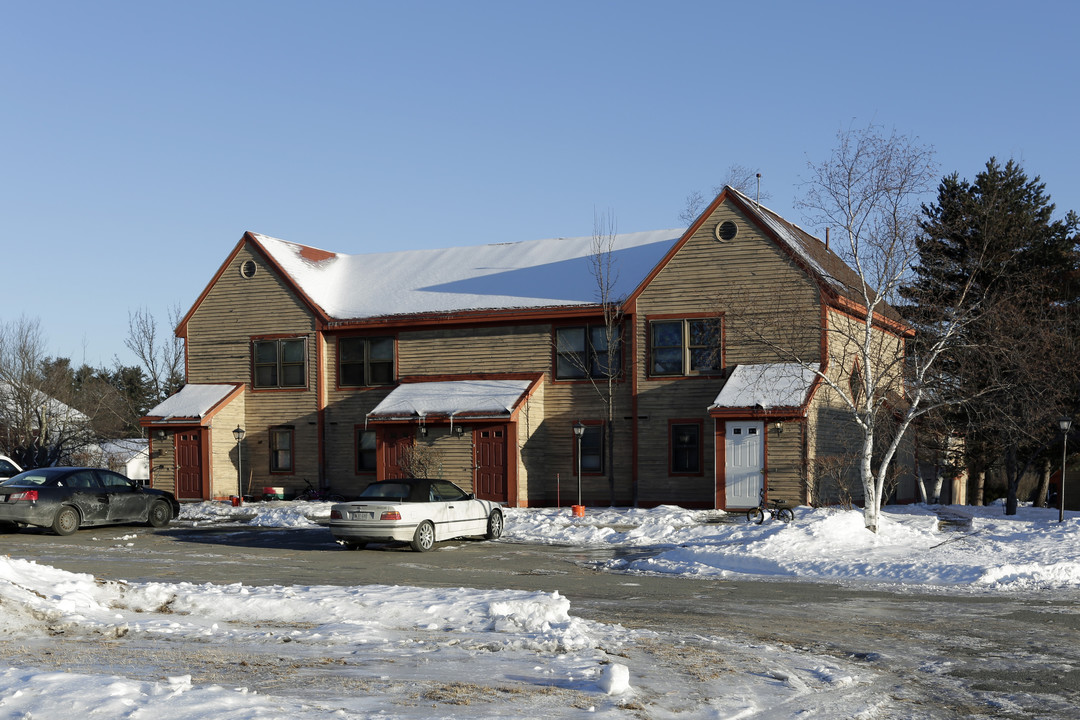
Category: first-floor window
[281,449]
[592,449]
[685,443]
[365,451]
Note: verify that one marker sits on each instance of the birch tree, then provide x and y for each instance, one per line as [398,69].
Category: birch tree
[868,192]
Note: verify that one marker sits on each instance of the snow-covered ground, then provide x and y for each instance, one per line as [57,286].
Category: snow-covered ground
[405,652]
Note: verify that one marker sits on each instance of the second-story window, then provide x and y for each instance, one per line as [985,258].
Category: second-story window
[685,347]
[280,363]
[364,361]
[583,352]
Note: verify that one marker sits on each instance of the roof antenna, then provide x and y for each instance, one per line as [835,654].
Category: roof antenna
[757,200]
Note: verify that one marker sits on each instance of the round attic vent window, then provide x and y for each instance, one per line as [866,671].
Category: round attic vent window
[726,230]
[248,268]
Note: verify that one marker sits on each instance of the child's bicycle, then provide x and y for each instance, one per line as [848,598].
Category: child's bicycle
[776,512]
[316,494]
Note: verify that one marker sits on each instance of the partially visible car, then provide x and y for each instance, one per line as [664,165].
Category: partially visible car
[418,511]
[8,467]
[67,498]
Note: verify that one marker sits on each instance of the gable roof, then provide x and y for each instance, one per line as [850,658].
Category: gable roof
[550,274]
[505,276]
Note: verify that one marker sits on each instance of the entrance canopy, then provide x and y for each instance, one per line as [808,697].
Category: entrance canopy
[488,399]
[194,403]
[767,387]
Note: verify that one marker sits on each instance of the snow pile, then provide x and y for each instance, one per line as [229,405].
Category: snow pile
[978,548]
[40,597]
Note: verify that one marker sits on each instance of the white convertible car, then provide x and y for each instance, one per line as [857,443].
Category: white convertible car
[418,511]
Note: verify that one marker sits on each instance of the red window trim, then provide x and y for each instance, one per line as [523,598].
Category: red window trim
[669,317]
[337,361]
[292,449]
[671,446]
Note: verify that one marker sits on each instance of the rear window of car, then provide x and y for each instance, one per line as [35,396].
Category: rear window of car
[8,469]
[27,478]
[397,491]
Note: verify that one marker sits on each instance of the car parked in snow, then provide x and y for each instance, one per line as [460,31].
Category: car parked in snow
[67,498]
[8,467]
[418,511]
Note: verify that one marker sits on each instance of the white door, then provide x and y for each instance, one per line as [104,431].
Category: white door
[744,451]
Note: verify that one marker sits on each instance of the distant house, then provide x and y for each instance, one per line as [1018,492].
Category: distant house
[25,412]
[342,370]
[128,456]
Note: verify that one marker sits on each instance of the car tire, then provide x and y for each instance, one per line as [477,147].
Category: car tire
[160,514]
[66,521]
[424,537]
[495,525]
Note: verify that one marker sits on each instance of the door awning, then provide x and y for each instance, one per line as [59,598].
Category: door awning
[194,404]
[769,387]
[447,400]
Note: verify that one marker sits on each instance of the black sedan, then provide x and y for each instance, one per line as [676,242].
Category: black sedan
[66,498]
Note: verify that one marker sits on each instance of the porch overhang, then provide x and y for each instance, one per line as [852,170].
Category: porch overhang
[454,401]
[195,404]
[780,390]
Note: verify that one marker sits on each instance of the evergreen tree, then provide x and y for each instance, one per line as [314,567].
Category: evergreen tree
[995,243]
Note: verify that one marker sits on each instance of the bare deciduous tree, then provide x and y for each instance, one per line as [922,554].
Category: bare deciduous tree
[39,426]
[161,357]
[740,177]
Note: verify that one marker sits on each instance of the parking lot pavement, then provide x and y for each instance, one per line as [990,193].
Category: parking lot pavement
[943,648]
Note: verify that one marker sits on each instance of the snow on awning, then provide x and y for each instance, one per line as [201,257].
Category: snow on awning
[472,398]
[775,385]
[193,401]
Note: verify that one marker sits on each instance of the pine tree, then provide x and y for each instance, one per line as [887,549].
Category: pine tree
[995,242]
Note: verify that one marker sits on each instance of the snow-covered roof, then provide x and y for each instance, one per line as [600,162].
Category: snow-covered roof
[767,386]
[450,398]
[532,274]
[193,401]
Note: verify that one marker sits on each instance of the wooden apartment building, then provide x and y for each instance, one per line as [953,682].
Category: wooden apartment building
[473,364]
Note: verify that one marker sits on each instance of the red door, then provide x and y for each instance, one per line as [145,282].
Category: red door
[490,443]
[189,471]
[395,443]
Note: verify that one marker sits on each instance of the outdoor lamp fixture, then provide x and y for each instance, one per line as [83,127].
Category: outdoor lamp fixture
[779,425]
[459,430]
[1063,424]
[238,433]
[579,432]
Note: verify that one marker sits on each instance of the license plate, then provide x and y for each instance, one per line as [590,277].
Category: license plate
[361,515]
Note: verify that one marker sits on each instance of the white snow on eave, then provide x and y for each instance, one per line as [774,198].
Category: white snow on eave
[792,240]
[534,274]
[767,386]
[191,401]
[452,397]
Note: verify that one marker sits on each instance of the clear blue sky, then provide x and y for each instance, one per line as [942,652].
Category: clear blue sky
[141,139]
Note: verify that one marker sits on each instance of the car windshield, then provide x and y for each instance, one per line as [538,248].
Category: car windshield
[27,478]
[397,491]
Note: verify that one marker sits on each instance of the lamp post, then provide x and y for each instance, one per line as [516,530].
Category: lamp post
[238,433]
[579,431]
[1063,424]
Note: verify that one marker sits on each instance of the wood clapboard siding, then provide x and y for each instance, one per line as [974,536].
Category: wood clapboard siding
[163,463]
[223,453]
[765,299]
[218,343]
[516,349]
[786,479]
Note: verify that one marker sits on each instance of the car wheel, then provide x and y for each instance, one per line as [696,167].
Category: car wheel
[353,544]
[160,514]
[66,521]
[495,525]
[424,537]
